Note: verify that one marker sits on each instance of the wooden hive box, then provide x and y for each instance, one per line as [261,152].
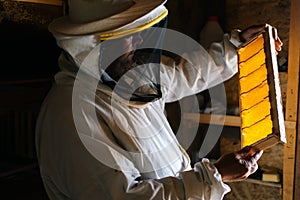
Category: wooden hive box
[259,92]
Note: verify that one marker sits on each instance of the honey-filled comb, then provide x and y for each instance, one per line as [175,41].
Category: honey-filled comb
[261,108]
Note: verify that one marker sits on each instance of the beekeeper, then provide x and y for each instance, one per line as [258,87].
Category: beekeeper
[102,132]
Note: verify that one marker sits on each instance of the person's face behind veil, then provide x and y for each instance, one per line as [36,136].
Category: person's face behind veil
[125,62]
[135,74]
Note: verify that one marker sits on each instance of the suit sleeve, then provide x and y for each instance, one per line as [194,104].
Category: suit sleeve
[200,70]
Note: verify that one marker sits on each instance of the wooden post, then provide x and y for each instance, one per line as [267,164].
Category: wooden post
[297,161]
[289,188]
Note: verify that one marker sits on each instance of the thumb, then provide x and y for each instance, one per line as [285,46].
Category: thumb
[245,152]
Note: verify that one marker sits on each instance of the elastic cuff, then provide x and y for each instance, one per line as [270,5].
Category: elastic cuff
[235,38]
[218,189]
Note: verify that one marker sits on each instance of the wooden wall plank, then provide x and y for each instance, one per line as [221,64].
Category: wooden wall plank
[292,102]
[297,161]
[48,2]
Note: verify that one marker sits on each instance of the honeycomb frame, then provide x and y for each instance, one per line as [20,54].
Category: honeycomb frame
[260,100]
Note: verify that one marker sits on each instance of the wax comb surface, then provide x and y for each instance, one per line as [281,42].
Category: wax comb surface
[260,97]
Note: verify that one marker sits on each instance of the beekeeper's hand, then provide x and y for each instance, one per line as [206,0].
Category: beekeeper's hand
[238,165]
[251,31]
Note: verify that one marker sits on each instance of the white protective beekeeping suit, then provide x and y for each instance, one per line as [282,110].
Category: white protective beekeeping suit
[92,144]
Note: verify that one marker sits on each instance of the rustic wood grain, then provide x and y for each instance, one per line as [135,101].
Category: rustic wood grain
[291,190]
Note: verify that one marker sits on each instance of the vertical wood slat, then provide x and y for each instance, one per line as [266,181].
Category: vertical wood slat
[297,161]
[24,132]
[292,103]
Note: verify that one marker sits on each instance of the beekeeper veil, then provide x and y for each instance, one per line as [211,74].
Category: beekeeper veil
[125,58]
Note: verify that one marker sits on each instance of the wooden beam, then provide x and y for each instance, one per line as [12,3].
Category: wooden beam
[226,120]
[18,170]
[48,2]
[292,103]
[264,183]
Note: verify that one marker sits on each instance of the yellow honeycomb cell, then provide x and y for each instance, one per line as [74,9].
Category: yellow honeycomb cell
[253,79]
[253,97]
[257,131]
[250,65]
[256,113]
[251,49]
